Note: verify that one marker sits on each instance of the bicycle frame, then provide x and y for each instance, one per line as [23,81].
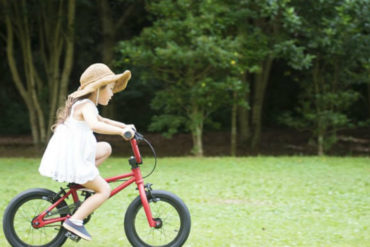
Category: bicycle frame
[134,175]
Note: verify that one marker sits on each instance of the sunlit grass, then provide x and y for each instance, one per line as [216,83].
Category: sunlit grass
[261,201]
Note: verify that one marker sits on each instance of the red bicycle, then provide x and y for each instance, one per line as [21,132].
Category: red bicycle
[154,218]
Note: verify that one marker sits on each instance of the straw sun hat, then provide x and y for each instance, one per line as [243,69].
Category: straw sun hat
[98,75]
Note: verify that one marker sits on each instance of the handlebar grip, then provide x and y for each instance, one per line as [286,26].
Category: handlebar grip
[128,134]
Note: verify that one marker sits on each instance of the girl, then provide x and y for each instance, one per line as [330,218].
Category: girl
[73,154]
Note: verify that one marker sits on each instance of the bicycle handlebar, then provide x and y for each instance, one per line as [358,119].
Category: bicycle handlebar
[137,135]
[128,134]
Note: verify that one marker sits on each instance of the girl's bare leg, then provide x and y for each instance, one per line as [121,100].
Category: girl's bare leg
[102,193]
[103,151]
[99,185]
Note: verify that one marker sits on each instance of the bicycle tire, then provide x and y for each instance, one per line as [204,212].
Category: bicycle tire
[172,205]
[43,196]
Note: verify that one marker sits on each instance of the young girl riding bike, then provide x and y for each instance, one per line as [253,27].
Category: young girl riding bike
[73,154]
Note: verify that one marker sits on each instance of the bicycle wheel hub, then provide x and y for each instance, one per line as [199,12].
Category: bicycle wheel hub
[158,223]
[35,223]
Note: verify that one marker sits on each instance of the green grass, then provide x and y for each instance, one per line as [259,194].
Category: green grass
[261,201]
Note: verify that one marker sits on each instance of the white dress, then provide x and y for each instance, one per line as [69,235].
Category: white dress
[70,154]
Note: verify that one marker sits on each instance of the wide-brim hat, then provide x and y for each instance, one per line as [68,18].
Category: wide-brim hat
[98,75]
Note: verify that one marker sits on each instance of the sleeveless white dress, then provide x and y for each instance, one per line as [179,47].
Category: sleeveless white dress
[70,154]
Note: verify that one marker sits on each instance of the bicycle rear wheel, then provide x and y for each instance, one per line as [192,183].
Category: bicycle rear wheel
[169,210]
[22,210]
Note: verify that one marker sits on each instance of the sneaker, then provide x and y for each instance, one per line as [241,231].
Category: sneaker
[78,230]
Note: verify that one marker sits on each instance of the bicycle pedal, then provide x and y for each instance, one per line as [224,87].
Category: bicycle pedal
[72,236]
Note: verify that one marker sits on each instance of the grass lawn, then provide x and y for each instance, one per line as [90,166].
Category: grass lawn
[260,201]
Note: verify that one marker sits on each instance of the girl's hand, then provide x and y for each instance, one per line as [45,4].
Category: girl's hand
[131,126]
[129,132]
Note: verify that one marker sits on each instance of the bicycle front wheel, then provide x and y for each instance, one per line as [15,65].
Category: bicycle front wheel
[18,216]
[169,210]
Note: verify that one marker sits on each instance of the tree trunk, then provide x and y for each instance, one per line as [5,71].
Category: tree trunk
[34,127]
[31,78]
[108,28]
[197,119]
[260,85]
[234,111]
[26,92]
[197,141]
[368,97]
[244,128]
[68,59]
[51,47]
[69,51]
[320,144]
[320,132]
[243,116]
[58,81]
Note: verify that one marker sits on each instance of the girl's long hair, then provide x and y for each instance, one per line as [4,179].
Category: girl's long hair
[64,111]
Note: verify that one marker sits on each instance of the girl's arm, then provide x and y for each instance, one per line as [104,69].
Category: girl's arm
[89,115]
[111,122]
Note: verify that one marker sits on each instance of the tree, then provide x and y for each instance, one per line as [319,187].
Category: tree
[267,29]
[187,50]
[332,34]
[46,44]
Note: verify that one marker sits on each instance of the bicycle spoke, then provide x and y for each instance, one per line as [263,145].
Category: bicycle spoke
[24,215]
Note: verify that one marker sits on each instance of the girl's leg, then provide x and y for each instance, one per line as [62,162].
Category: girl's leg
[103,151]
[102,193]
[99,185]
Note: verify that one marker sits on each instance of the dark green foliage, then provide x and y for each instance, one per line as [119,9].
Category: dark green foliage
[334,38]
[188,51]
[192,61]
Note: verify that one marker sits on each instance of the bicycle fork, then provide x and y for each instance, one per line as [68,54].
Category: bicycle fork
[135,161]
[143,196]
